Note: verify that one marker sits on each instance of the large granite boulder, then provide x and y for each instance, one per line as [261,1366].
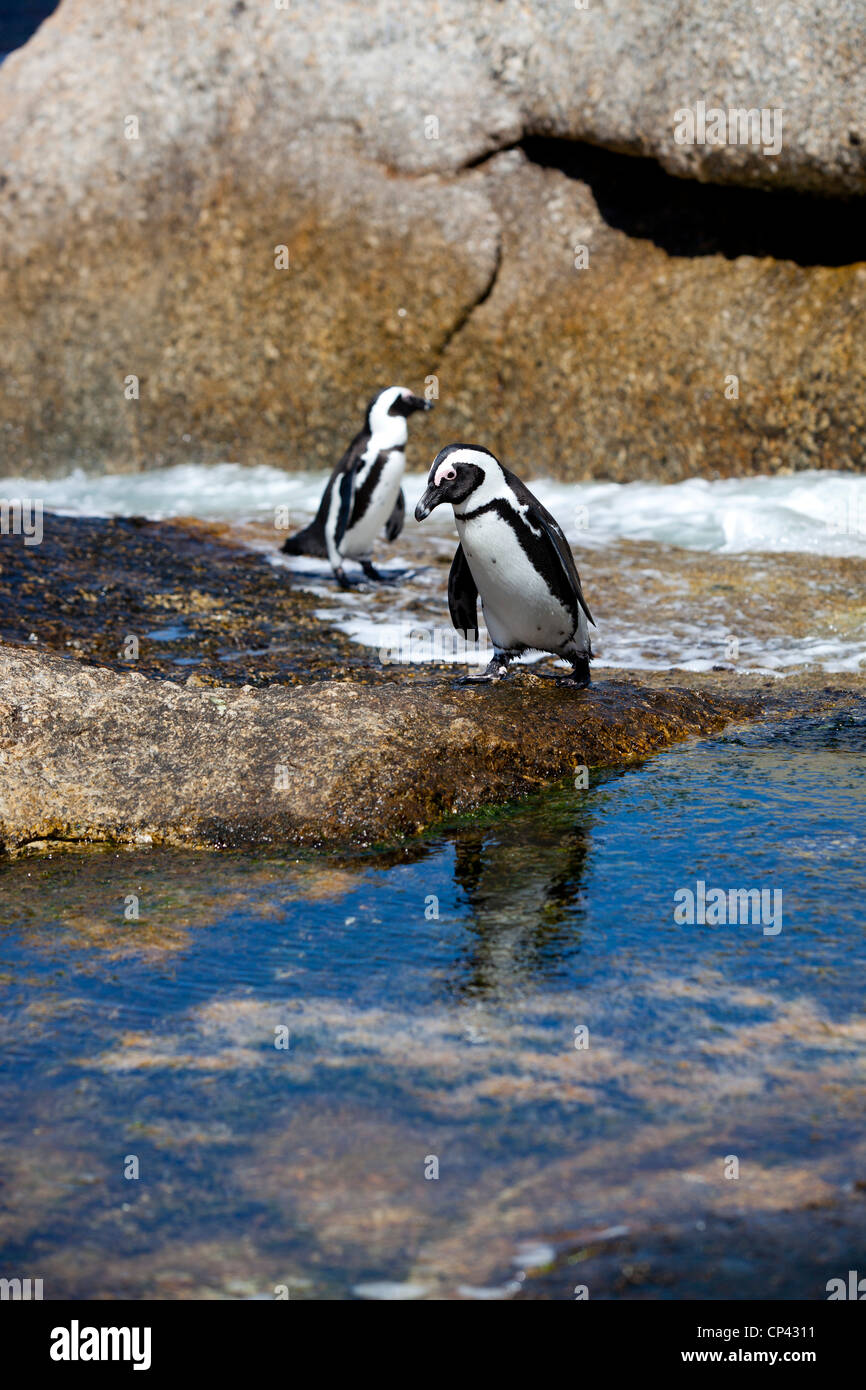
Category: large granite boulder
[640,364]
[153,161]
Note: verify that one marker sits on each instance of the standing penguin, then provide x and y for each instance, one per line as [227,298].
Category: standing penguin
[514,554]
[364,492]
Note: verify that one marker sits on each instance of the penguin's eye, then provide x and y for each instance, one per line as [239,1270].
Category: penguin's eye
[445,473]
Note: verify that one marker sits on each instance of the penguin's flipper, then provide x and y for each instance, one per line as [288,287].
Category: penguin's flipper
[540,518]
[394,524]
[312,540]
[563,550]
[463,596]
[346,486]
[343,479]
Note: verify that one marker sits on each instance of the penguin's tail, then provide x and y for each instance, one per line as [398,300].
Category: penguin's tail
[310,541]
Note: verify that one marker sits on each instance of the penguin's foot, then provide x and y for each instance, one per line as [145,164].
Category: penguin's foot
[377,576]
[579,678]
[497,670]
[343,579]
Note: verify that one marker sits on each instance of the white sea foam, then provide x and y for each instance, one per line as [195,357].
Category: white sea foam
[819,513]
[814,513]
[220,491]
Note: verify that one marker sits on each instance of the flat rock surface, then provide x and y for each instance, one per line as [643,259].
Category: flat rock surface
[89,755]
[241,715]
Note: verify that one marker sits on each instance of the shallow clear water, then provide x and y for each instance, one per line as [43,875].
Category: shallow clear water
[415,1036]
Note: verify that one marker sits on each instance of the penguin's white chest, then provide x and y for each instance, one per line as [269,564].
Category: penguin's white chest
[519,608]
[377,485]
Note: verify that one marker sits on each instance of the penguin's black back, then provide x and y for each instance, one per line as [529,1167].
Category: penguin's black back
[311,540]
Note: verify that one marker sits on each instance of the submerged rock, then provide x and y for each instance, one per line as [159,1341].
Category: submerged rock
[89,755]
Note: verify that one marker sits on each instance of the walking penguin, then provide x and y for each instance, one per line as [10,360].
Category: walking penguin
[514,554]
[364,492]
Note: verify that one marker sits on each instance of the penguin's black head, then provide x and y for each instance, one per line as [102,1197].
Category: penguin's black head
[455,474]
[394,400]
[407,404]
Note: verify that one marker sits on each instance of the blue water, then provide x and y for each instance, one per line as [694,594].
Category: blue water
[415,1034]
[19,20]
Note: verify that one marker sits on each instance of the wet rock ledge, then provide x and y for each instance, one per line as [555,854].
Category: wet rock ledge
[88,755]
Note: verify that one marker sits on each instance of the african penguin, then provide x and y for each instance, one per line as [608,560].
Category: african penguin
[514,554]
[364,492]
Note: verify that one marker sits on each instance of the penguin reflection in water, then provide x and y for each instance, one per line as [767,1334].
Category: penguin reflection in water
[514,554]
[364,492]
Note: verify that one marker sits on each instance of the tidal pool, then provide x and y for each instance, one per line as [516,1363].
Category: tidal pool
[286,1050]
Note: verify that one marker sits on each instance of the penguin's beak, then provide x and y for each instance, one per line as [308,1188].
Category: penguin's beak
[430,500]
[418,403]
